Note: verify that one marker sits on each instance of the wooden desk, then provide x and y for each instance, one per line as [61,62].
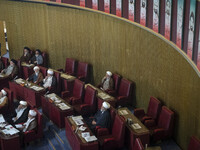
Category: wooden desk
[131,134]
[26,93]
[9,142]
[103,96]
[75,139]
[27,69]
[54,113]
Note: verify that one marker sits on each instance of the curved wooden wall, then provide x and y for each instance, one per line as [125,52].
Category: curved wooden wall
[158,67]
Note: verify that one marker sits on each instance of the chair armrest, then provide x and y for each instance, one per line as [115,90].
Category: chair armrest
[158,134]
[102,131]
[138,112]
[146,118]
[60,70]
[81,77]
[75,101]
[84,106]
[122,97]
[150,123]
[65,94]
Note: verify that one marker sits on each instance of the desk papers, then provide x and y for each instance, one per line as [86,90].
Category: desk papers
[2,120]
[63,106]
[36,88]
[104,96]
[123,112]
[9,129]
[90,138]
[20,81]
[135,126]
[78,120]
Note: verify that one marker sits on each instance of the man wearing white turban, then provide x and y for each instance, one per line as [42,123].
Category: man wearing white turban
[3,98]
[101,118]
[19,115]
[31,122]
[36,77]
[50,80]
[107,82]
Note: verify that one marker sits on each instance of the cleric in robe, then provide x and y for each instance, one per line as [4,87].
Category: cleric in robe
[107,82]
[49,81]
[3,98]
[37,76]
[101,118]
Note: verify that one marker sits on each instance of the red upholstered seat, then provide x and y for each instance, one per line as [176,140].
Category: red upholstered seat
[83,72]
[76,96]
[194,143]
[43,70]
[89,104]
[125,92]
[20,70]
[116,79]
[45,59]
[138,145]
[152,112]
[5,61]
[105,131]
[116,139]
[35,133]
[164,128]
[70,66]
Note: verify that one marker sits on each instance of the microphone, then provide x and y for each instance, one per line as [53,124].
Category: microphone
[15,78]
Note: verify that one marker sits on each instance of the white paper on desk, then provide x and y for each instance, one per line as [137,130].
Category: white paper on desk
[2,125]
[9,127]
[64,107]
[78,122]
[77,118]
[82,128]
[18,125]
[19,81]
[51,95]
[103,95]
[123,112]
[136,126]
[2,120]
[90,138]
[85,134]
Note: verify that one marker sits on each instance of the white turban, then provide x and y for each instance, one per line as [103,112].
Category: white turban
[36,67]
[109,73]
[23,103]
[32,113]
[106,105]
[4,92]
[50,71]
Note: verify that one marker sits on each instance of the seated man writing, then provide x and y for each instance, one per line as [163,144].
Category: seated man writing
[19,115]
[101,118]
[107,82]
[3,98]
[36,77]
[50,80]
[12,69]
[30,124]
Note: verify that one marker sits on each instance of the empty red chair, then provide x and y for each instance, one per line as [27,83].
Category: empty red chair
[105,131]
[138,145]
[194,143]
[36,133]
[116,79]
[76,96]
[83,72]
[45,59]
[5,61]
[152,111]
[164,128]
[89,104]
[70,66]
[125,92]
[116,139]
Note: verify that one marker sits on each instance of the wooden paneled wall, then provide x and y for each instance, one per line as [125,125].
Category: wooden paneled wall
[108,43]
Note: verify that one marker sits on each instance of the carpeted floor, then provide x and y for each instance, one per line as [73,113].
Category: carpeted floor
[55,139]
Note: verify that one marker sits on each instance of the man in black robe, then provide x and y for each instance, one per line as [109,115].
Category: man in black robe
[101,118]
